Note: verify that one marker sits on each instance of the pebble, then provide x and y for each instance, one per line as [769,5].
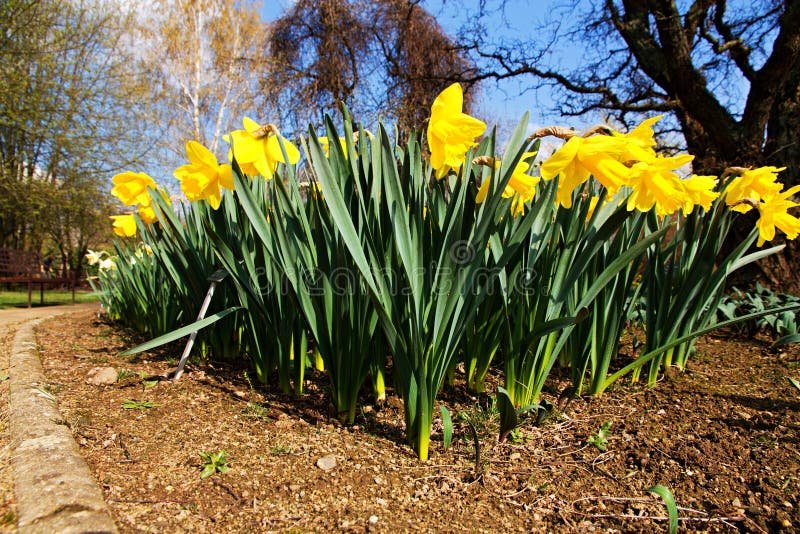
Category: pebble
[101,376]
[373,519]
[326,463]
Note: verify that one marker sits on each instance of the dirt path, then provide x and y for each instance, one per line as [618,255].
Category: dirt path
[11,321]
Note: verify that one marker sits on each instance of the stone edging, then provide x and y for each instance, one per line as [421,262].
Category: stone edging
[54,488]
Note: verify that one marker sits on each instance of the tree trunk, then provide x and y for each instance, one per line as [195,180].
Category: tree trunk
[782,149]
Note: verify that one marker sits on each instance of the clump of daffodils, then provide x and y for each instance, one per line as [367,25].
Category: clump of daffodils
[759,189]
[618,161]
[132,189]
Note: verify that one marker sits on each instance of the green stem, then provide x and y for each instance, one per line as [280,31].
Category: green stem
[378,384]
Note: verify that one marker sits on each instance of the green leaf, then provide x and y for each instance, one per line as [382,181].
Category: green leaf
[793,382]
[790,338]
[509,419]
[669,501]
[132,404]
[180,332]
[4,377]
[600,439]
[447,427]
[208,470]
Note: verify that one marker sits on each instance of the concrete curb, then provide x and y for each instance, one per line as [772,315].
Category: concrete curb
[54,488]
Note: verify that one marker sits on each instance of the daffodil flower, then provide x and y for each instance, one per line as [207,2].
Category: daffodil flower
[147,212]
[326,145]
[203,178]
[93,257]
[131,188]
[581,157]
[774,214]
[520,183]
[640,142]
[699,192]
[754,184]
[606,157]
[258,149]
[124,225]
[451,133]
[107,265]
[655,185]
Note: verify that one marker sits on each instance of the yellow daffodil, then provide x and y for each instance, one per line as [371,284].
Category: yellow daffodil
[753,184]
[606,157]
[699,192]
[131,188]
[326,145]
[774,214]
[258,149]
[520,183]
[655,185]
[124,225]
[203,178]
[580,157]
[451,133]
[639,142]
[147,213]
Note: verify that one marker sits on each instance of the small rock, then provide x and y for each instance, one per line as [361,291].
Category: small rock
[326,463]
[515,456]
[101,376]
[381,502]
[373,519]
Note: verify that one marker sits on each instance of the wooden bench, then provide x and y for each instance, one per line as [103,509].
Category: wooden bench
[24,267]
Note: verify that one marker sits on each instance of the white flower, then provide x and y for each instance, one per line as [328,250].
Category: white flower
[93,257]
[107,265]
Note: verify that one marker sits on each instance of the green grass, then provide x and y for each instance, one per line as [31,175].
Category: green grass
[52,297]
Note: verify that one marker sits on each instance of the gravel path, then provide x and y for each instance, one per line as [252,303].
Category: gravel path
[45,484]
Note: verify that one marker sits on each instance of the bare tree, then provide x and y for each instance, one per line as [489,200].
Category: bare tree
[207,57]
[727,74]
[386,58]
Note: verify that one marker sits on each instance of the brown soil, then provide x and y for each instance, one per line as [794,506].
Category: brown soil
[723,437]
